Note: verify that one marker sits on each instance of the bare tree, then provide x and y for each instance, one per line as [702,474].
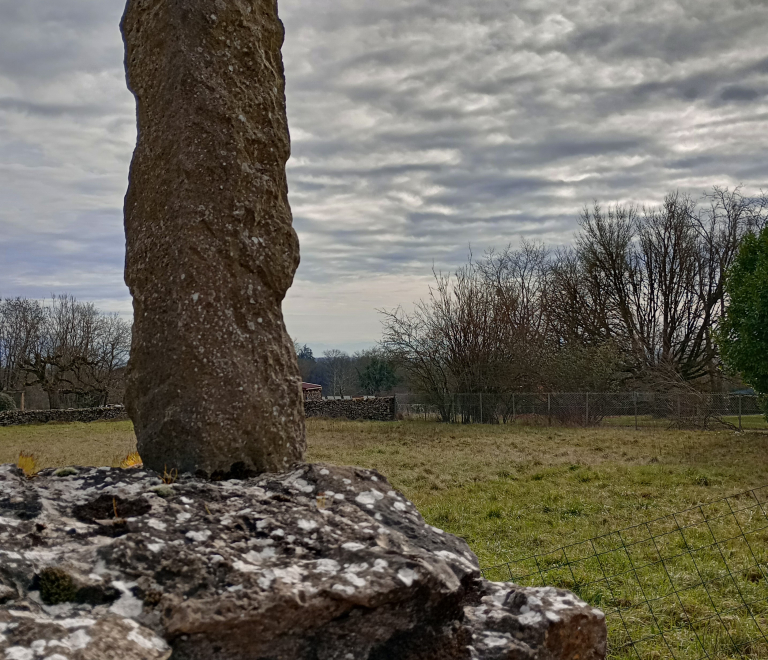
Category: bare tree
[652,282]
[633,303]
[102,373]
[20,322]
[480,329]
[339,371]
[74,349]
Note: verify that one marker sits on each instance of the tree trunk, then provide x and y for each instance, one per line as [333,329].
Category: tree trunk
[54,402]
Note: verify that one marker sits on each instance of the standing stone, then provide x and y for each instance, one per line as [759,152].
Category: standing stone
[213,385]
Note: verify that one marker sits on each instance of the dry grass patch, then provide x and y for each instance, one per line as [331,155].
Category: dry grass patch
[508,490]
[57,445]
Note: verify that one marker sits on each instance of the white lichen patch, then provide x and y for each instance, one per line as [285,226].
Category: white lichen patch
[355,579]
[127,606]
[245,567]
[369,497]
[344,588]
[329,566]
[407,576]
[200,537]
[353,546]
[290,575]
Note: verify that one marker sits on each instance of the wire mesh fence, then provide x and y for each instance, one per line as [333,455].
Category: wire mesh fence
[689,585]
[628,409]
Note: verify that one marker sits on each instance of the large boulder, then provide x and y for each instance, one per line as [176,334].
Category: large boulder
[318,563]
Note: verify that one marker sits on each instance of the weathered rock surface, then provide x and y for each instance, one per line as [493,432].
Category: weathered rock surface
[319,563]
[213,378]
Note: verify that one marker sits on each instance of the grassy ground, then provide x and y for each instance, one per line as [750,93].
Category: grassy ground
[54,445]
[513,492]
[748,422]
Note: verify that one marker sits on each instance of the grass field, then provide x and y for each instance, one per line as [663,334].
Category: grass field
[748,422]
[515,491]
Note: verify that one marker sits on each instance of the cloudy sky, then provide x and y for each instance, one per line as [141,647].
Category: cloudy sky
[419,127]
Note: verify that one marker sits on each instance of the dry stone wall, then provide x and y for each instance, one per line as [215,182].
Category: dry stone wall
[19,417]
[382,409]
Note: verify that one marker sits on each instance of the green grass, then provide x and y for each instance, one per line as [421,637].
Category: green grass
[513,492]
[748,422]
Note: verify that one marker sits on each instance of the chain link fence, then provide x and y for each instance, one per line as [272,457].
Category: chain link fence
[627,409]
[689,585]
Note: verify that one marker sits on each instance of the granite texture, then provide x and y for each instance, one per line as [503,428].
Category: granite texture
[212,380]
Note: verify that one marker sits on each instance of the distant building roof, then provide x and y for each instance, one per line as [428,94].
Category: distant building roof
[310,386]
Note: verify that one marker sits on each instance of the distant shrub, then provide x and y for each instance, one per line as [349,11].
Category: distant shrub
[6,402]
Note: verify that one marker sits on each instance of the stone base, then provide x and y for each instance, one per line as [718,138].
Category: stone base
[319,563]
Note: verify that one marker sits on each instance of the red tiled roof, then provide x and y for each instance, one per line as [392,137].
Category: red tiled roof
[310,386]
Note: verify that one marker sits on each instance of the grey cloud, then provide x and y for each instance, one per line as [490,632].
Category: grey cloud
[419,128]
[737,93]
[52,109]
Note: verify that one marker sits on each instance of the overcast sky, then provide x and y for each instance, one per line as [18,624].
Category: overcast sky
[419,128]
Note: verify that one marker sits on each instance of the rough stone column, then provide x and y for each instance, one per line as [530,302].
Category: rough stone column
[213,382]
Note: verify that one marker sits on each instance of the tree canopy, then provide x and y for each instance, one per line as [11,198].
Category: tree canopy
[743,334]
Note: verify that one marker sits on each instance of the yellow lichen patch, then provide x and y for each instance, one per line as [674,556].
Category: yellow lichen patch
[132,460]
[28,463]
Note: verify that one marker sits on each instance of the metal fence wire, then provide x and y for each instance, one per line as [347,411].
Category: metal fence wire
[627,409]
[689,585]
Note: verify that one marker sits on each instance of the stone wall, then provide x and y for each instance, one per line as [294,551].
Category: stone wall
[382,409]
[17,417]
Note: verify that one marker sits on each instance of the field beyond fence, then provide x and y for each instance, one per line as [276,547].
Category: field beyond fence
[626,409]
[689,585]
[644,524]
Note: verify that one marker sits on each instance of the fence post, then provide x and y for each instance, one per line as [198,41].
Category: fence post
[586,416]
[740,413]
[481,407]
[22,400]
[635,410]
[679,418]
[513,408]
[549,409]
